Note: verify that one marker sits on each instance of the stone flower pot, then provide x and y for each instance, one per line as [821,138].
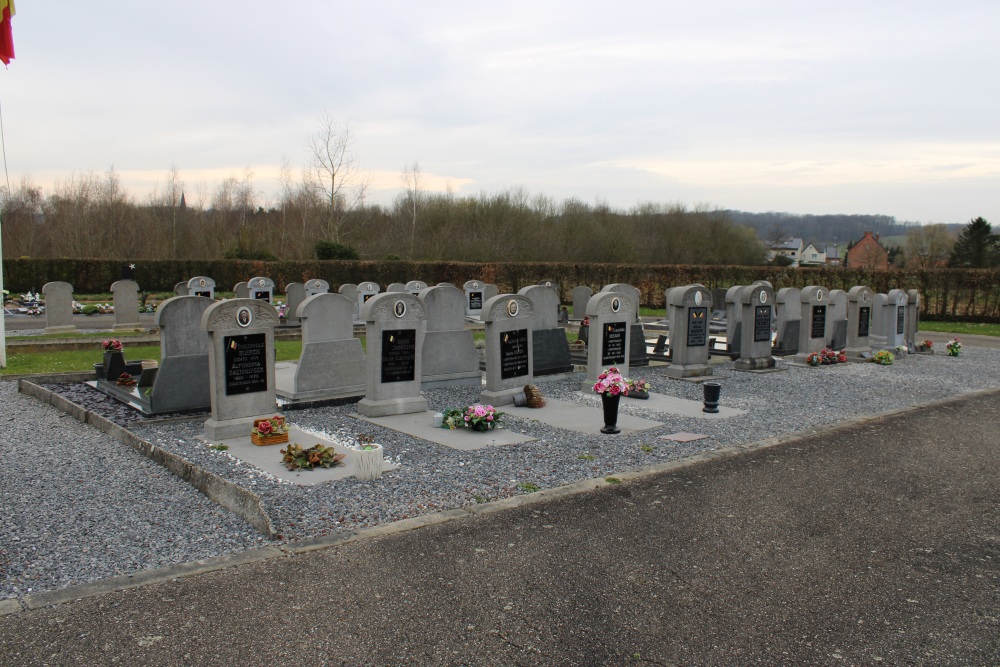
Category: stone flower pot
[367,462]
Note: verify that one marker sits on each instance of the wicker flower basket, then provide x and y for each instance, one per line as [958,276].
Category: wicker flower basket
[271,438]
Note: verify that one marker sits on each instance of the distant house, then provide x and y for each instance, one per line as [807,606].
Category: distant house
[867,253]
[813,256]
[792,249]
[833,255]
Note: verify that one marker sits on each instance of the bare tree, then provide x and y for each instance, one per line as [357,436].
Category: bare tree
[411,179]
[175,189]
[334,170]
[928,246]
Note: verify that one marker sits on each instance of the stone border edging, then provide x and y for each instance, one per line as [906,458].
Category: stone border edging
[171,572]
[239,501]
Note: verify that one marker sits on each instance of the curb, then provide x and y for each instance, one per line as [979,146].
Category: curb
[183,570]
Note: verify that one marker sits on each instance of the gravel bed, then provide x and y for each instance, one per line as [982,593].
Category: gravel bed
[430,478]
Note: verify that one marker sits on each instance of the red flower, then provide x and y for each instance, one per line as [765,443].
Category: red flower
[264,427]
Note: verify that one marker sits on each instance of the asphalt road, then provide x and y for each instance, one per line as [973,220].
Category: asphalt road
[876,544]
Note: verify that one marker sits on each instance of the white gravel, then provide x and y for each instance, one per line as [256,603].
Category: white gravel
[77,506]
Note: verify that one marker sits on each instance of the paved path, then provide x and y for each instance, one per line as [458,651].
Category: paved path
[878,543]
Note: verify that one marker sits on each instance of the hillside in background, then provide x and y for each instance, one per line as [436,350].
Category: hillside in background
[824,229]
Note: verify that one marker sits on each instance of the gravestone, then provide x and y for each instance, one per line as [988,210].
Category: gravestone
[734,318]
[474,297]
[181,288]
[912,319]
[508,319]
[396,287]
[757,302]
[787,314]
[182,380]
[332,362]
[688,308]
[878,334]
[241,365]
[450,356]
[550,350]
[489,291]
[126,298]
[242,290]
[894,319]
[860,300]
[637,348]
[837,335]
[611,318]
[581,295]
[58,307]
[365,292]
[815,306]
[395,325]
[316,286]
[201,286]
[414,287]
[549,282]
[295,294]
[350,290]
[261,288]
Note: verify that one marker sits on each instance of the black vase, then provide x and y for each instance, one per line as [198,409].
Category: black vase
[114,365]
[712,391]
[610,405]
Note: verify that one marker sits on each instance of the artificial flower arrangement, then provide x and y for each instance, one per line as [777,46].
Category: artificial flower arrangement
[901,350]
[611,383]
[883,357]
[954,347]
[639,385]
[296,458]
[826,357]
[112,345]
[269,431]
[125,380]
[533,396]
[477,417]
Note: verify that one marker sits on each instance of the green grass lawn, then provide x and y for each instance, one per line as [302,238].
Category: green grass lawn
[961,328]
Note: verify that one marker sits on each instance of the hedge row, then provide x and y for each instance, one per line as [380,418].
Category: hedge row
[959,294]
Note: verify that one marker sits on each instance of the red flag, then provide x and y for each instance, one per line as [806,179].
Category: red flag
[6,36]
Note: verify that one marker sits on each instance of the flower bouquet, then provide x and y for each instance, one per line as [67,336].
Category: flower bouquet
[954,347]
[125,380]
[296,458]
[638,388]
[269,431]
[884,358]
[925,346]
[814,359]
[112,345]
[611,383]
[902,350]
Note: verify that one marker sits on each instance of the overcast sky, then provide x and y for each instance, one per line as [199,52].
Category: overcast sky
[849,107]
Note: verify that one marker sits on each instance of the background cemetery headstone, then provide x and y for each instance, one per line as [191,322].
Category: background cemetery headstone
[261,288]
[815,312]
[611,318]
[860,302]
[242,290]
[581,295]
[550,350]
[475,298]
[787,314]
[181,288]
[316,286]
[241,365]
[201,286]
[366,291]
[332,362]
[757,304]
[689,309]
[396,287]
[508,319]
[58,307]
[126,300]
[395,326]
[350,290]
[295,294]
[414,287]
[450,356]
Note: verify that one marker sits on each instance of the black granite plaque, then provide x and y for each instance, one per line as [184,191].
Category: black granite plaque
[762,324]
[697,327]
[205,294]
[246,363]
[513,354]
[263,295]
[818,322]
[864,321]
[399,355]
[475,300]
[900,319]
[613,347]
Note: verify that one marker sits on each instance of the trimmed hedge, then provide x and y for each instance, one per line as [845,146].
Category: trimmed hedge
[954,294]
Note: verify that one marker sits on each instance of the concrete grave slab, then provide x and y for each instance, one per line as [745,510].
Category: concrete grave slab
[578,417]
[683,437]
[420,425]
[681,407]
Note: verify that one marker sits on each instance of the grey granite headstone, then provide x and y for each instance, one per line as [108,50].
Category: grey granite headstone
[449,355]
[837,335]
[366,291]
[814,321]
[581,295]
[757,319]
[126,297]
[241,365]
[396,287]
[632,293]
[787,314]
[912,319]
[554,284]
[474,298]
[295,294]
[242,290]
[734,316]
[350,290]
[395,326]
[550,349]
[878,334]
[611,319]
[183,378]
[689,308]
[637,349]
[489,291]
[894,319]
[181,288]
[414,287]
[860,301]
[316,286]
[332,362]
[509,338]
[261,288]
[58,307]
[201,286]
